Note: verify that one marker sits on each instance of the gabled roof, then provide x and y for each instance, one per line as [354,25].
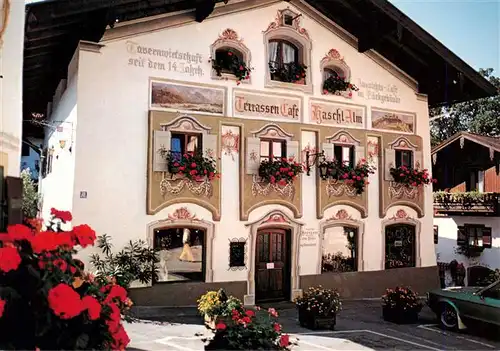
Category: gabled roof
[55,27]
[492,143]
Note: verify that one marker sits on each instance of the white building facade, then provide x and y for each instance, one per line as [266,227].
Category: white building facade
[149,84]
[11,68]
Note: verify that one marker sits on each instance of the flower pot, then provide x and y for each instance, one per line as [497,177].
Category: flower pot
[399,315]
[313,321]
[210,321]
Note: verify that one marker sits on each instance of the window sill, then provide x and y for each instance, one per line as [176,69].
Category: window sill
[273,84]
[344,94]
[229,76]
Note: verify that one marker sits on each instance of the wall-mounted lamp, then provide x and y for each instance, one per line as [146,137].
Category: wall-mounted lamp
[322,167]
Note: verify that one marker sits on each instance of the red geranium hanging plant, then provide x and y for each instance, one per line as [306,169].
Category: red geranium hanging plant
[193,166]
[279,171]
[411,177]
[44,301]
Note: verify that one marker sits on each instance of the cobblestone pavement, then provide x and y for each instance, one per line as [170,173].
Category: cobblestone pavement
[359,327]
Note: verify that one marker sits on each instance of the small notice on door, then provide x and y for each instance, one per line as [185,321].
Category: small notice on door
[398,243]
[270,265]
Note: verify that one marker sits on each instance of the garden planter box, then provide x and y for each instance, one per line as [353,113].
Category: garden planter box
[399,316]
[311,321]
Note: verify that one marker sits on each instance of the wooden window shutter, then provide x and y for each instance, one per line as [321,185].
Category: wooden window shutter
[487,237]
[360,154]
[328,149]
[461,236]
[292,150]
[14,197]
[161,141]
[252,156]
[389,162]
[210,145]
[418,160]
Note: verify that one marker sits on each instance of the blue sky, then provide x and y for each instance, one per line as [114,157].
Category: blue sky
[469,28]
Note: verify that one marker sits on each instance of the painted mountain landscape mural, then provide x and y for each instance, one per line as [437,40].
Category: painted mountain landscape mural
[393,121]
[180,97]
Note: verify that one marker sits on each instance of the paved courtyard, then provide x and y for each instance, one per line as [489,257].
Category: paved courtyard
[359,327]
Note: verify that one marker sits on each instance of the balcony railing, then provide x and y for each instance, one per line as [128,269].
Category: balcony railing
[467,203]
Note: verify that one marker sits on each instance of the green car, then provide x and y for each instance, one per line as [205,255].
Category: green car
[457,306]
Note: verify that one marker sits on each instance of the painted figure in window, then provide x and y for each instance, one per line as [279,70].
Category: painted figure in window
[192,145]
[187,254]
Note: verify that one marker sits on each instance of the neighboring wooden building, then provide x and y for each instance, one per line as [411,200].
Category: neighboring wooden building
[466,202]
[150,84]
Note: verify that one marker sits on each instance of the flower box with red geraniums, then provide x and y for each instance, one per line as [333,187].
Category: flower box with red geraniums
[229,61]
[279,171]
[249,329]
[401,305]
[292,72]
[42,306]
[335,85]
[356,176]
[192,166]
[411,177]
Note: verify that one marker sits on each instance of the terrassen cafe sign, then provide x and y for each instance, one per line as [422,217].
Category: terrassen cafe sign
[349,116]
[248,104]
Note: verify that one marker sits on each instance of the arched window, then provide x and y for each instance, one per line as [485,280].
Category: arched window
[228,59]
[284,61]
[340,250]
[332,73]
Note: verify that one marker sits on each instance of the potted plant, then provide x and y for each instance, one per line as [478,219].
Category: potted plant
[336,84]
[249,329]
[215,304]
[411,177]
[292,72]
[192,166]
[230,62]
[318,307]
[279,171]
[356,176]
[401,305]
[47,302]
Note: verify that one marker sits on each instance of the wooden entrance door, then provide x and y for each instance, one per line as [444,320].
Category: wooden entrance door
[400,246]
[272,265]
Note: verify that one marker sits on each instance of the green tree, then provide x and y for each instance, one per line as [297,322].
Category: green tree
[31,197]
[479,116]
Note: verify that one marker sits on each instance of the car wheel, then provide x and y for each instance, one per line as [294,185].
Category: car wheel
[448,317]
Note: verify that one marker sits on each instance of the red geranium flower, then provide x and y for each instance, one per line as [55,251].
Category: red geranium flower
[64,216]
[19,232]
[220,326]
[61,264]
[116,292]
[284,340]
[9,259]
[277,327]
[2,307]
[84,235]
[64,301]
[250,313]
[120,339]
[114,318]
[49,241]
[92,306]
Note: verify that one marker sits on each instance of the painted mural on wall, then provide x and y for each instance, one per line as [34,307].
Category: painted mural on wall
[393,121]
[175,96]
[230,140]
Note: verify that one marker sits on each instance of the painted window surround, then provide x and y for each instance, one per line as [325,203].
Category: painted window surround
[296,35]
[334,61]
[343,138]
[229,39]
[401,143]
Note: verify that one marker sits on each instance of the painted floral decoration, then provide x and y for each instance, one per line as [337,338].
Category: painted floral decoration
[356,176]
[411,177]
[229,61]
[320,301]
[193,166]
[279,171]
[292,72]
[402,299]
[336,84]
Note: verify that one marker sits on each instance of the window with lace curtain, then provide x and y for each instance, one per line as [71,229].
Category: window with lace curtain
[284,62]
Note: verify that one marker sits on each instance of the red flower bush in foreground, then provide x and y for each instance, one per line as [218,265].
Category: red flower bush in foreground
[45,301]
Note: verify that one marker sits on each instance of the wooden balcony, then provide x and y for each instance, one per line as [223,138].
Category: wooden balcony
[467,203]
